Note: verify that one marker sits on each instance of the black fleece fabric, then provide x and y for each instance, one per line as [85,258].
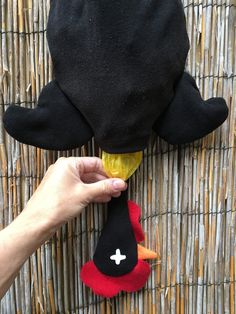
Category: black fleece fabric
[118,64]
[188,117]
[54,124]
[117,234]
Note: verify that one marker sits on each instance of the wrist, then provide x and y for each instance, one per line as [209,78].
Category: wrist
[37,223]
[42,217]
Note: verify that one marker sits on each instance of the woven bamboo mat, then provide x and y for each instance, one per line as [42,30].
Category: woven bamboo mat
[186,193]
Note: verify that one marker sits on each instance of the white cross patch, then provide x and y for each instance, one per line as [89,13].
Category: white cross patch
[118,257]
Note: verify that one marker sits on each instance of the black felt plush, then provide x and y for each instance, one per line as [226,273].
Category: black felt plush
[55,123]
[117,65]
[117,234]
[188,117]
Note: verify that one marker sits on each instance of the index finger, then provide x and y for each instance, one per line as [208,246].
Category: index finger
[90,165]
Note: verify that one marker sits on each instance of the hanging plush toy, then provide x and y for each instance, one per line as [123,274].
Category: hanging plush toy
[119,74]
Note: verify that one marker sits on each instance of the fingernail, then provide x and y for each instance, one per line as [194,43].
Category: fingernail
[118,184]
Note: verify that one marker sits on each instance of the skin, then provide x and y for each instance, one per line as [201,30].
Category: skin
[68,186]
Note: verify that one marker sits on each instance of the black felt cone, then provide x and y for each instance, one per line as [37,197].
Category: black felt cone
[116,252]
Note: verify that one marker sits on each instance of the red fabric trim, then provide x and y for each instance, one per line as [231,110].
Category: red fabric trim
[108,286]
[134,215]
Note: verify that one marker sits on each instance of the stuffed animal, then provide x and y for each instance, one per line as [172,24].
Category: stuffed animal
[119,74]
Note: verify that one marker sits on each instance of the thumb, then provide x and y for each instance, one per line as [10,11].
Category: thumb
[106,187]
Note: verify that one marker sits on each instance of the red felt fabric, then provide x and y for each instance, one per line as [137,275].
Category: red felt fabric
[134,214]
[107,286]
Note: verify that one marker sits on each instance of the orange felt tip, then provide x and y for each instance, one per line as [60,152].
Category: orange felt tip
[144,253]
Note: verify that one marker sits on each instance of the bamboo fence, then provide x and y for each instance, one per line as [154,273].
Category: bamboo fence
[186,193]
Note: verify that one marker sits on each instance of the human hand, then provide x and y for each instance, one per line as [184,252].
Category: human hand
[69,185]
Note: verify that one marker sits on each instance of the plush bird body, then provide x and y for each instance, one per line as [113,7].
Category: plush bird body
[116,65]
[119,74]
